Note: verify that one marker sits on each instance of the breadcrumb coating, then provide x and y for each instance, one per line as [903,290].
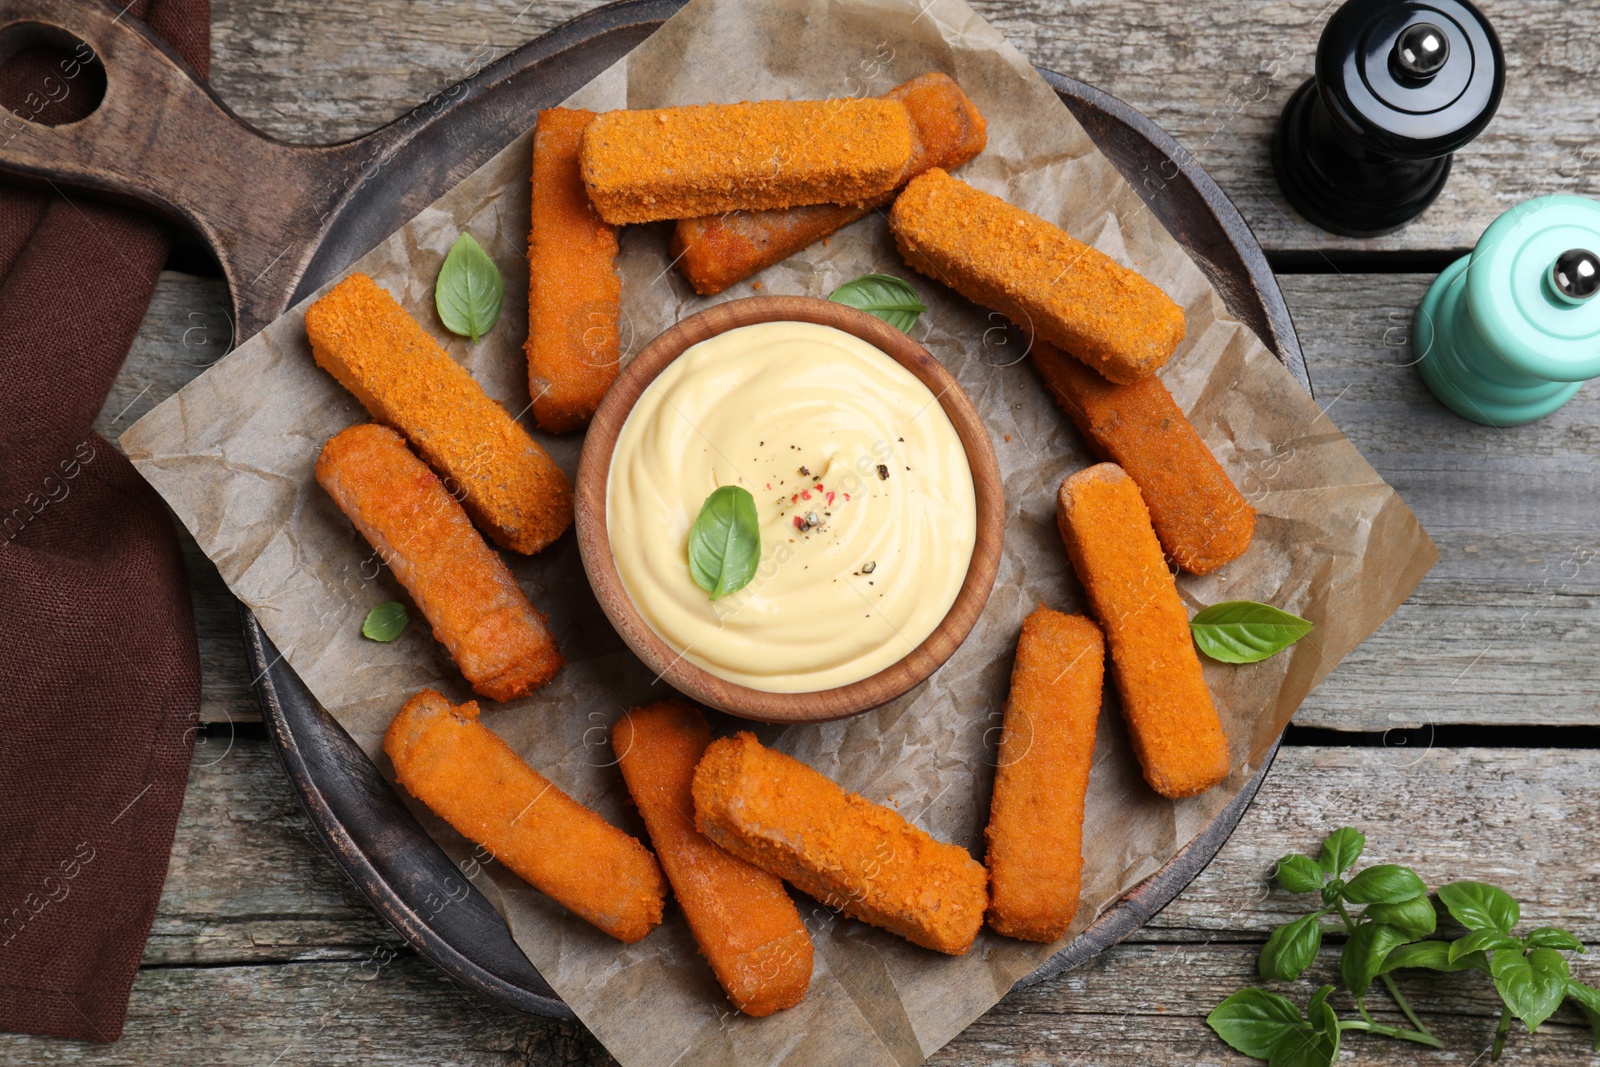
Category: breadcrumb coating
[1201,518]
[1035,832]
[509,484]
[683,162]
[461,586]
[716,251]
[473,780]
[741,917]
[574,293]
[1174,725]
[847,852]
[1072,295]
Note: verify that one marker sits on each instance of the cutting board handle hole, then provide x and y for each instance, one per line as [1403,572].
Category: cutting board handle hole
[48,76]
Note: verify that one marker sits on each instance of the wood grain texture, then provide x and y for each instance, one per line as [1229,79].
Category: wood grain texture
[1215,76]
[261,946]
[594,471]
[1498,631]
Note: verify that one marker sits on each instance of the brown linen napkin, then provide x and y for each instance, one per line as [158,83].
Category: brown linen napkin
[99,672]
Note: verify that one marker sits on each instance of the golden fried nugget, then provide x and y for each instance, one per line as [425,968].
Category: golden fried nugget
[473,780]
[1035,832]
[1174,725]
[574,294]
[741,917]
[716,251]
[1072,295]
[1202,520]
[847,852]
[509,485]
[461,586]
[682,162]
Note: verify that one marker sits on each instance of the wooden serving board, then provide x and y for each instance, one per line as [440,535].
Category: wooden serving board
[283,219]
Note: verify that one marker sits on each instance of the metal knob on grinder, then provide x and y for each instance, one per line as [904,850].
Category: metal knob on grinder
[1364,147]
[1507,334]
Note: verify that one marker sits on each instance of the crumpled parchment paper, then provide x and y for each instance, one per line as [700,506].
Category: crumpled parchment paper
[233,455]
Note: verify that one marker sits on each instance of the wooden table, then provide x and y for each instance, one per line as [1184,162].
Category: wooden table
[1461,737]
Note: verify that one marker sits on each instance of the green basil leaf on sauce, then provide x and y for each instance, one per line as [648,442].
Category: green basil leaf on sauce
[468,292]
[1243,631]
[725,542]
[889,298]
[386,621]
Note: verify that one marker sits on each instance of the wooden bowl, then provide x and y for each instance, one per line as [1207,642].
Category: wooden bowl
[594,543]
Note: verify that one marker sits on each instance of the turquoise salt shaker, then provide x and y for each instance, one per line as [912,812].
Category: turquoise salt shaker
[1508,334]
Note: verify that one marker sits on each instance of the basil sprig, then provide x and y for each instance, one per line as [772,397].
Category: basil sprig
[1392,932]
[468,292]
[1243,631]
[386,621]
[889,298]
[725,542]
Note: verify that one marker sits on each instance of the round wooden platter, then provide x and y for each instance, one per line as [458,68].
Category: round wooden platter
[672,665]
[283,219]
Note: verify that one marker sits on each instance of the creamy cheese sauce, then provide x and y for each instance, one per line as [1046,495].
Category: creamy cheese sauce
[865,498]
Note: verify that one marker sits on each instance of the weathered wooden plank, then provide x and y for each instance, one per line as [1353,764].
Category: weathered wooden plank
[250,886]
[1133,1006]
[250,882]
[1214,75]
[1495,633]
[1520,818]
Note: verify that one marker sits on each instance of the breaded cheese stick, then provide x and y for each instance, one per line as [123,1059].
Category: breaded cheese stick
[509,485]
[741,917]
[574,294]
[716,251]
[1035,832]
[473,780]
[461,586]
[1072,295]
[682,162]
[1175,729]
[1202,520]
[847,852]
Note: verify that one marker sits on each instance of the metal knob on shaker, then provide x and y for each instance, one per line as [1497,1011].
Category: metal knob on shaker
[1508,334]
[1364,147]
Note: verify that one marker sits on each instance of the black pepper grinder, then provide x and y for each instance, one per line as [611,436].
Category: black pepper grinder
[1364,147]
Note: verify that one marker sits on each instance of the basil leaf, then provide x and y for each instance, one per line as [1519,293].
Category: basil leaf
[1482,941]
[1480,906]
[386,621]
[1252,1021]
[1551,937]
[1415,916]
[1435,956]
[1243,631]
[1587,998]
[1322,1016]
[1341,849]
[468,291]
[1291,948]
[1365,953]
[1385,883]
[1533,986]
[1304,1047]
[725,542]
[889,298]
[1299,874]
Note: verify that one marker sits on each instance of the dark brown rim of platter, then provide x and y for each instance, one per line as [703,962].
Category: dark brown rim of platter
[670,664]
